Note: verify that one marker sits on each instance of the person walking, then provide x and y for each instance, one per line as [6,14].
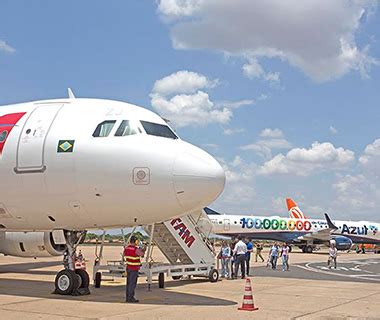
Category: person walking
[225,257]
[248,255]
[233,258]
[285,257]
[259,248]
[274,255]
[240,250]
[333,253]
[132,254]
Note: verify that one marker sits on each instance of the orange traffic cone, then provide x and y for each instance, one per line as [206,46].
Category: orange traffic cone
[248,304]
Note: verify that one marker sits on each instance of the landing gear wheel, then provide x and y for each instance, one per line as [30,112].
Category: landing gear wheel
[66,282]
[304,249]
[290,249]
[98,279]
[161,280]
[309,249]
[213,275]
[85,279]
[176,277]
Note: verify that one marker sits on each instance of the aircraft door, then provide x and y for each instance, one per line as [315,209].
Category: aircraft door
[227,224]
[31,145]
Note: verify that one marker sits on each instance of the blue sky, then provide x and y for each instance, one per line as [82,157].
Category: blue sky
[284,93]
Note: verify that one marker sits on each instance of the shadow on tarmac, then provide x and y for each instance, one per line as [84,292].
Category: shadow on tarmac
[110,292]
[30,267]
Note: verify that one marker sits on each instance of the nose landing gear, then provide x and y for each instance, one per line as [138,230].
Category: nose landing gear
[72,280]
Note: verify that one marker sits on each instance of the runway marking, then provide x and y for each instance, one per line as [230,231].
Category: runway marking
[326,270]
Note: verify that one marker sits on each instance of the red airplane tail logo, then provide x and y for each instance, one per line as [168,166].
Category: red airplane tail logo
[7,123]
[294,211]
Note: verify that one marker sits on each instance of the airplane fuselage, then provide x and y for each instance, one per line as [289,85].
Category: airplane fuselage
[292,230]
[88,163]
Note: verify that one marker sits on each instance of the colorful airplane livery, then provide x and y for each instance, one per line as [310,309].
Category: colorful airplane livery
[297,229]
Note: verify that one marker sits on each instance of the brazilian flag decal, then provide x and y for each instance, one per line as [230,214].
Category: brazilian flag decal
[65,146]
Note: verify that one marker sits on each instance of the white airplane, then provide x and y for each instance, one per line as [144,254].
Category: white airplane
[70,165]
[302,232]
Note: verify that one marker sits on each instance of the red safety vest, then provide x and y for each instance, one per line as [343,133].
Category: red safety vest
[132,259]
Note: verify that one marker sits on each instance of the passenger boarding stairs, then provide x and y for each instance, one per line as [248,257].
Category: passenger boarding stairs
[184,240]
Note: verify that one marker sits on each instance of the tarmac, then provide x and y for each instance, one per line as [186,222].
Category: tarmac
[308,291]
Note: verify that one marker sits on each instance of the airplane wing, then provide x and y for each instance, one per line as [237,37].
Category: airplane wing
[324,234]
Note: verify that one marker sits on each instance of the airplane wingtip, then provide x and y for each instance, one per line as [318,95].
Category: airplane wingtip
[70,93]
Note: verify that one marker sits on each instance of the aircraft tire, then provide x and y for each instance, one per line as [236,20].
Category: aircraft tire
[98,279]
[213,275]
[309,249]
[161,280]
[85,279]
[66,282]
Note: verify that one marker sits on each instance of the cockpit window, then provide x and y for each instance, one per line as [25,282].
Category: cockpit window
[159,130]
[127,128]
[104,128]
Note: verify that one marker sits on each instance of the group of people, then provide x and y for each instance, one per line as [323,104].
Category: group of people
[275,252]
[234,256]
[237,255]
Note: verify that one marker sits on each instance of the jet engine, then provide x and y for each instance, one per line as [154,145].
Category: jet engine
[29,244]
[343,243]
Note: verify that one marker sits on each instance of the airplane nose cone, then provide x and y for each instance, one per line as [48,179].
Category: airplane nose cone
[198,179]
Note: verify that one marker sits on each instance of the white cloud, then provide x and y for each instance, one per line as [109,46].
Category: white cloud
[371,154]
[303,162]
[181,98]
[237,170]
[272,139]
[360,193]
[265,147]
[316,36]
[230,131]
[236,104]
[4,47]
[179,8]
[278,204]
[253,69]
[190,109]
[271,133]
[239,191]
[333,130]
[183,82]
[356,193]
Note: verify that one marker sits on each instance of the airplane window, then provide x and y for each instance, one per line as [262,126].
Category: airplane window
[159,130]
[104,128]
[127,128]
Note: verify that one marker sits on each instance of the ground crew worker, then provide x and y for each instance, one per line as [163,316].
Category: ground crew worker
[132,254]
[259,248]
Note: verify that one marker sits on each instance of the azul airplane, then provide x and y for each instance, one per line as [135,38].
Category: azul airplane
[70,165]
[297,230]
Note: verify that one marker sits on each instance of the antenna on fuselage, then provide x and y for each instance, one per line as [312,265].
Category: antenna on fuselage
[70,93]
